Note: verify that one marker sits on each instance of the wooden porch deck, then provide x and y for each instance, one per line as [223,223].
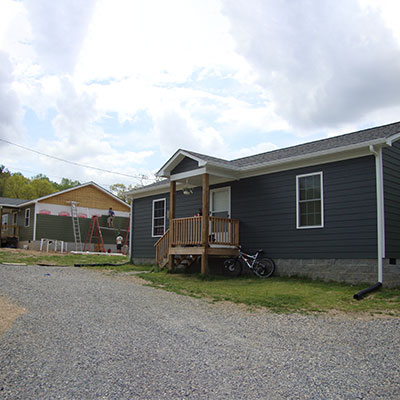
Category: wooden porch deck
[186,239]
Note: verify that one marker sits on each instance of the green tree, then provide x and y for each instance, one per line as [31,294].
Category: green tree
[4,175]
[119,188]
[42,187]
[66,184]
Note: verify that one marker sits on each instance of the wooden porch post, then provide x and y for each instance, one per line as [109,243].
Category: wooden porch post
[205,219]
[172,210]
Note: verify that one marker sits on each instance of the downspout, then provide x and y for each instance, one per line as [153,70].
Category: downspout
[380,217]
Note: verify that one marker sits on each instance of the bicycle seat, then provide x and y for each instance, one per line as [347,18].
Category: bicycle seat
[260,251]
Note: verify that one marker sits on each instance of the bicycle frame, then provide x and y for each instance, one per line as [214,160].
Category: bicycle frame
[247,257]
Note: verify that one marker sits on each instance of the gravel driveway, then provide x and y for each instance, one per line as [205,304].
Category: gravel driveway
[87,335]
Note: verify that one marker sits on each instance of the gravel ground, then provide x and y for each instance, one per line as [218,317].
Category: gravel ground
[87,335]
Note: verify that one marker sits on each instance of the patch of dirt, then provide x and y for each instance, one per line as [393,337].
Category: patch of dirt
[25,253]
[9,312]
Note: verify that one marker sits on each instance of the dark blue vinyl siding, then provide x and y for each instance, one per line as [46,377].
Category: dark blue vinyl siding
[143,242]
[391,173]
[266,208]
[187,164]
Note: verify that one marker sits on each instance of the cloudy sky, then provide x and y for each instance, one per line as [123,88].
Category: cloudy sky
[122,84]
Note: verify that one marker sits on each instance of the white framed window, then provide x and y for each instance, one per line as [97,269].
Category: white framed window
[310,201]
[220,202]
[158,217]
[4,219]
[27,217]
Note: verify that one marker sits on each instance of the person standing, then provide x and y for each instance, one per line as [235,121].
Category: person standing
[110,219]
[119,240]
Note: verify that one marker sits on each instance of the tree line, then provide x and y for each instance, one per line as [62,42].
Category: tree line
[14,185]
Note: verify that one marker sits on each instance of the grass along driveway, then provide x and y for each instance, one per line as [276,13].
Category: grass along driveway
[281,295]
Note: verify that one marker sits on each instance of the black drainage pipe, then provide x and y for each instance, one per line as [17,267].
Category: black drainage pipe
[101,265]
[362,293]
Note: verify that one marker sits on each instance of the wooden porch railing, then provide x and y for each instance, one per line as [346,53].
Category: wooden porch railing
[186,232]
[162,246]
[224,231]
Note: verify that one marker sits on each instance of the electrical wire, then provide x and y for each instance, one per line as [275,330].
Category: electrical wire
[140,177]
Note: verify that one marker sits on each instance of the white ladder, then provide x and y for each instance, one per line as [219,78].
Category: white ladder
[75,226]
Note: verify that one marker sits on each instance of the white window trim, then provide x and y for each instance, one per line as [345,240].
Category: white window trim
[152,216]
[27,217]
[221,189]
[320,173]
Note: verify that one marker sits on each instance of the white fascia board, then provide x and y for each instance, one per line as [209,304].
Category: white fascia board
[165,170]
[208,169]
[392,139]
[322,157]
[188,174]
[223,172]
[145,192]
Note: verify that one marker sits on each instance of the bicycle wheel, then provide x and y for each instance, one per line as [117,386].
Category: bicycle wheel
[233,267]
[264,267]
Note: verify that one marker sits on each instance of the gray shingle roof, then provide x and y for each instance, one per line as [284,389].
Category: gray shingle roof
[11,202]
[241,164]
[365,135]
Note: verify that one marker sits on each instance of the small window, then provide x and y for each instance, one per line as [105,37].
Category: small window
[158,218]
[310,207]
[27,217]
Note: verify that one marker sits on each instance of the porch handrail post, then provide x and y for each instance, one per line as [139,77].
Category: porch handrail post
[172,210]
[205,223]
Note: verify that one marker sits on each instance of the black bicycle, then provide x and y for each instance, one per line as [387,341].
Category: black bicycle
[262,267]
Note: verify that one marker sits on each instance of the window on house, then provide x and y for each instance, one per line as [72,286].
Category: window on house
[27,217]
[158,217]
[310,206]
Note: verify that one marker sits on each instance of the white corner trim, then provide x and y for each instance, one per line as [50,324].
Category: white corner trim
[380,209]
[34,220]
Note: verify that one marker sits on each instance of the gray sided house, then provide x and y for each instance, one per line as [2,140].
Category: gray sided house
[328,209]
[50,217]
[10,224]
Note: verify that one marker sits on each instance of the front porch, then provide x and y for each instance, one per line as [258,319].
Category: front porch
[199,236]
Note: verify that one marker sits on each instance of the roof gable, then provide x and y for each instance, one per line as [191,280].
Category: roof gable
[78,194]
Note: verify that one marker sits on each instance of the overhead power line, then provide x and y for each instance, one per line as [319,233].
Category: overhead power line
[75,163]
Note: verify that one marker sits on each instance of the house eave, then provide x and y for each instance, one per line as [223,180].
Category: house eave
[331,155]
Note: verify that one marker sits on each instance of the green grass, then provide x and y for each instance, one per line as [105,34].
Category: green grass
[35,258]
[281,295]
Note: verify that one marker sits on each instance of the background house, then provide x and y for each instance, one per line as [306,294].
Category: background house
[328,209]
[9,221]
[49,217]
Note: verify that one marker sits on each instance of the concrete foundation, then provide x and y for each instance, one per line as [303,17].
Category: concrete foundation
[349,271]
[339,270]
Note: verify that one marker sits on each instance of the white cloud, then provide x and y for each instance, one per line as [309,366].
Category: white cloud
[174,131]
[324,64]
[10,110]
[58,30]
